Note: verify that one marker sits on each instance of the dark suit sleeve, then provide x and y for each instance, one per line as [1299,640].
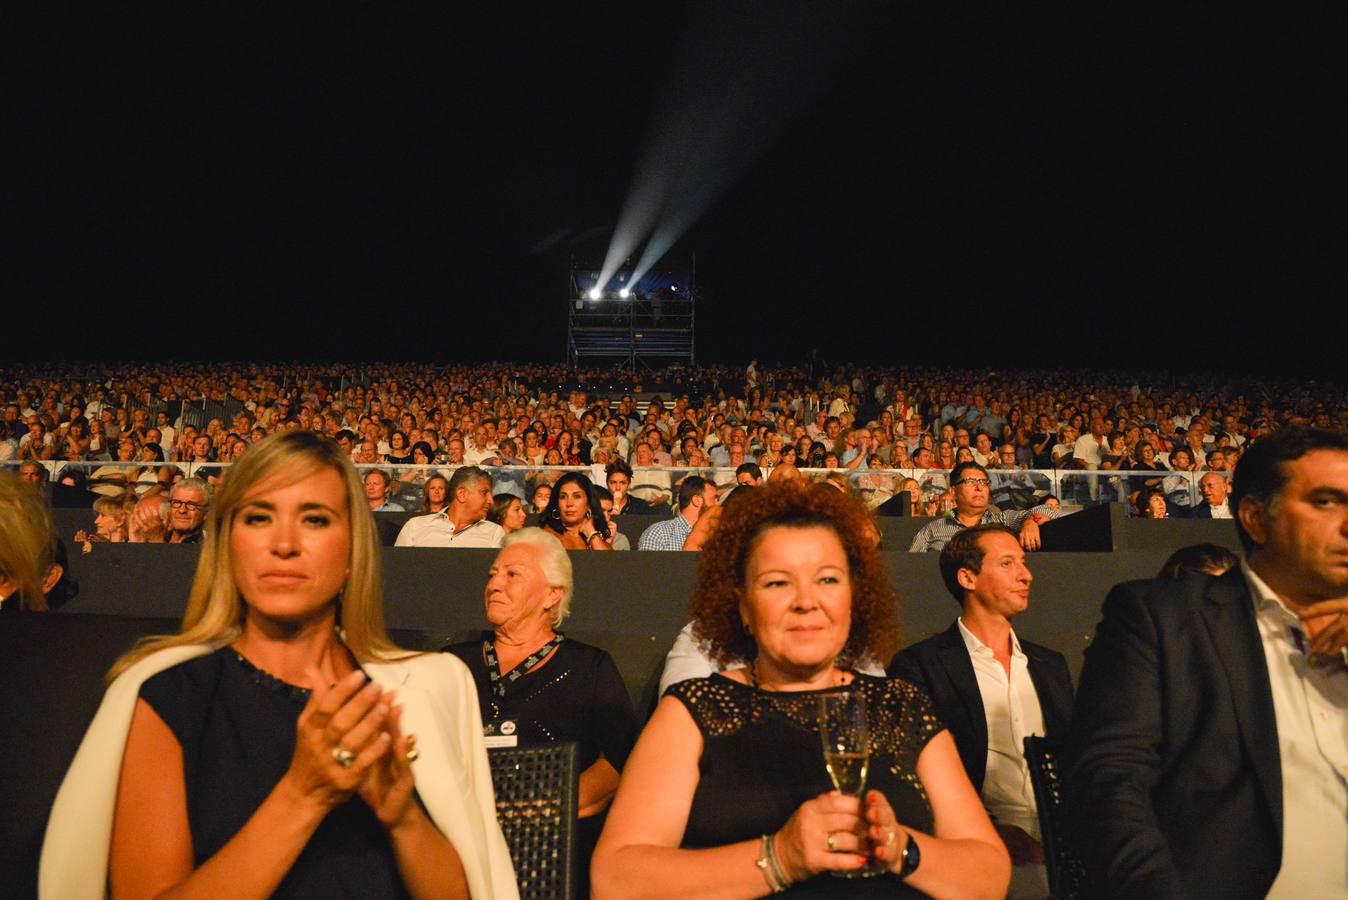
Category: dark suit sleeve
[1113,755]
[905,665]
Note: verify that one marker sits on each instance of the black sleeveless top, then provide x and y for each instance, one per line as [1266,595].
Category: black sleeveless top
[236,726]
[762,758]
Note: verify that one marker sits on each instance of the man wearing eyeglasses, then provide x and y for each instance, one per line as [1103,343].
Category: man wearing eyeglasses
[972,486]
[188,501]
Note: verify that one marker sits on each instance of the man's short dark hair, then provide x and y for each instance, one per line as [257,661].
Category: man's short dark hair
[617,466]
[957,473]
[603,493]
[1261,472]
[751,469]
[692,486]
[466,476]
[966,551]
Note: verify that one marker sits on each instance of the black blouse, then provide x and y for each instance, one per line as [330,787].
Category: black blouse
[236,726]
[577,695]
[762,758]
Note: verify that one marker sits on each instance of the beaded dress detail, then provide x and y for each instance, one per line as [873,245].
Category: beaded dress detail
[762,759]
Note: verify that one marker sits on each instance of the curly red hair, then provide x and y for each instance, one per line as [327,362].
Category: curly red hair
[714,607]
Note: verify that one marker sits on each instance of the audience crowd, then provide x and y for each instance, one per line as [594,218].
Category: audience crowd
[919,421]
[456,444]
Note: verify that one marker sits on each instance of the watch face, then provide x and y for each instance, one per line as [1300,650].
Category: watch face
[507,727]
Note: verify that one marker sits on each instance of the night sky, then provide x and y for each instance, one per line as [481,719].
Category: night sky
[1018,184]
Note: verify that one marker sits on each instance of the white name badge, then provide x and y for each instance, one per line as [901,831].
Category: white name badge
[497,741]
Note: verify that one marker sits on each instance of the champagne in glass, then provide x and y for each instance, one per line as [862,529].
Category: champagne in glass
[845,737]
[847,769]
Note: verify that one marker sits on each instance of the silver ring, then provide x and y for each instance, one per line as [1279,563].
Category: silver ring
[344,757]
[832,843]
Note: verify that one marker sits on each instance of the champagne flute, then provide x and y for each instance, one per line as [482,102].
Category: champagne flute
[845,737]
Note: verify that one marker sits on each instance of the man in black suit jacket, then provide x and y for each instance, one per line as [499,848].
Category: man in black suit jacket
[1207,754]
[984,568]
[1215,505]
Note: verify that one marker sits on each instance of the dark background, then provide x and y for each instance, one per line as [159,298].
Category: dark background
[1014,184]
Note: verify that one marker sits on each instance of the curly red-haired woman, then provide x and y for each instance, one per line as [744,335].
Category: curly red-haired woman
[726,794]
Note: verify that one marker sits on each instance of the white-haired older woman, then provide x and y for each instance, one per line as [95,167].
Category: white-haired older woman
[535,686]
[267,749]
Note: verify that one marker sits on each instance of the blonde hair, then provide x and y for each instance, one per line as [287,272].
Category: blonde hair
[554,562]
[215,608]
[27,540]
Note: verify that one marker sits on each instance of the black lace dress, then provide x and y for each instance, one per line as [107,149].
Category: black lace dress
[236,726]
[762,759]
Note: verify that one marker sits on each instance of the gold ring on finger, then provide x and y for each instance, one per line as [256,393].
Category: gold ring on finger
[344,757]
[832,843]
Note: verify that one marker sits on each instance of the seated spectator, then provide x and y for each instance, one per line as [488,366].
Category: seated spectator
[1216,491]
[971,486]
[1154,506]
[507,510]
[573,514]
[536,686]
[434,494]
[542,493]
[650,484]
[907,500]
[463,523]
[151,520]
[29,569]
[749,473]
[619,478]
[376,492]
[38,443]
[399,453]
[9,441]
[187,505]
[615,537]
[696,496]
[110,523]
[1199,559]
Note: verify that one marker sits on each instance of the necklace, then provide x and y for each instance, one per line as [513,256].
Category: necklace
[498,681]
[839,675]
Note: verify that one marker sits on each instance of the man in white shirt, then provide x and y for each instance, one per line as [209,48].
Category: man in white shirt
[1086,454]
[1209,752]
[462,523]
[992,690]
[1216,489]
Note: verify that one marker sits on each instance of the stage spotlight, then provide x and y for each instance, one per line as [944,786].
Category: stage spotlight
[624,293]
[594,294]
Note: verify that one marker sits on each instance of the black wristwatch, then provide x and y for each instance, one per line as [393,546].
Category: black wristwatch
[912,857]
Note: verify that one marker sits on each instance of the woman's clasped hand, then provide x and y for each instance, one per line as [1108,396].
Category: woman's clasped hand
[837,832]
[347,741]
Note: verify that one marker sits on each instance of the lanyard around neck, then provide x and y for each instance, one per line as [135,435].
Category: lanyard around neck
[494,664]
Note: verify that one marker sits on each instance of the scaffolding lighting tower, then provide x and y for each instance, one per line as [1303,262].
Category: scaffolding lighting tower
[647,321]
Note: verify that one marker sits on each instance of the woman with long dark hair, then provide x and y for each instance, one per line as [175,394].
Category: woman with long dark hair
[573,514]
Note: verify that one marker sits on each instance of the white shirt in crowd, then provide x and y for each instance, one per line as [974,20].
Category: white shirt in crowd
[1011,708]
[1310,703]
[436,530]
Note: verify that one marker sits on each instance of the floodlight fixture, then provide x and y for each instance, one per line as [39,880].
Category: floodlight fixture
[595,294]
[624,293]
